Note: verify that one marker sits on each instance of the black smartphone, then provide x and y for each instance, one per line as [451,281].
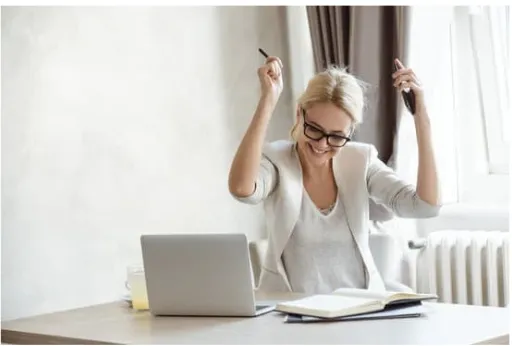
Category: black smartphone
[408,96]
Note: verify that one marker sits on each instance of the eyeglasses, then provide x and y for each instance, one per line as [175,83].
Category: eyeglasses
[316,134]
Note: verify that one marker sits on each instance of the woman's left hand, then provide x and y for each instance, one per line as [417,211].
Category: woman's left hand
[405,78]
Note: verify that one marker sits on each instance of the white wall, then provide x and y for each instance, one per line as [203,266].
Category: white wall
[118,122]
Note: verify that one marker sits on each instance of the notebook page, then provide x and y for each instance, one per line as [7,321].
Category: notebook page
[362,293]
[333,303]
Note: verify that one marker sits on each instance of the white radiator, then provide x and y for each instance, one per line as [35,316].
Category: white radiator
[465,267]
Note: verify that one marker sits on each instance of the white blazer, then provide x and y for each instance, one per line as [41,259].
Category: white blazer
[359,175]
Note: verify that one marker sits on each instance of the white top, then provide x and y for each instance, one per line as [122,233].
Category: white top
[359,175]
[321,254]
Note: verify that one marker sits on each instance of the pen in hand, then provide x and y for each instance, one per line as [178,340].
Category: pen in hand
[263,53]
[270,75]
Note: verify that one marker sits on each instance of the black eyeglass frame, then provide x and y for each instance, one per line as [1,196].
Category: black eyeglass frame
[324,134]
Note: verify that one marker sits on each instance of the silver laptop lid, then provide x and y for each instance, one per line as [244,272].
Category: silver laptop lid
[198,274]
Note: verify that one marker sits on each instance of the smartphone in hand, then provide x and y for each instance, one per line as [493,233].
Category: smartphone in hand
[408,96]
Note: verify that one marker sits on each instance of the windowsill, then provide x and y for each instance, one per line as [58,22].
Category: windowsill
[466,217]
[463,209]
[483,192]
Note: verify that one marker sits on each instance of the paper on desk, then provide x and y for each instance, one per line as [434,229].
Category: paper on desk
[412,311]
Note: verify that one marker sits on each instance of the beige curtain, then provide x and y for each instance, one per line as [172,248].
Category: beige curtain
[366,39]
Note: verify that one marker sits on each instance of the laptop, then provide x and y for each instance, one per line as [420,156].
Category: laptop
[199,275]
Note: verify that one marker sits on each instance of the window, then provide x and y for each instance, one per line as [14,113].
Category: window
[464,64]
[480,41]
[487,45]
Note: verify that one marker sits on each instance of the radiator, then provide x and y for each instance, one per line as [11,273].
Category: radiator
[465,267]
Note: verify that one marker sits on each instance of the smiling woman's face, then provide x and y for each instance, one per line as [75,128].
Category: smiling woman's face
[317,122]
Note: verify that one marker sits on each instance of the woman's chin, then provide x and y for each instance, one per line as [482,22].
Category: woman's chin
[317,157]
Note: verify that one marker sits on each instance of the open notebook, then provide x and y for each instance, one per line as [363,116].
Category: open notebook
[349,302]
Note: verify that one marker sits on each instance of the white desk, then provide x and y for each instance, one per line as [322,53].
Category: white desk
[116,323]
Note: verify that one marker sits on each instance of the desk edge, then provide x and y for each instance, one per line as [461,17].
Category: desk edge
[24,338]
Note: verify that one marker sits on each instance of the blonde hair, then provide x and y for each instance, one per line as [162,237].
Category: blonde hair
[337,86]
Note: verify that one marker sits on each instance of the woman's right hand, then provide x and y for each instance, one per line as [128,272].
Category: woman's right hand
[271,79]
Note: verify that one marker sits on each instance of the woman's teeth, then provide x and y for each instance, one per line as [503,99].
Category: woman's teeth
[318,151]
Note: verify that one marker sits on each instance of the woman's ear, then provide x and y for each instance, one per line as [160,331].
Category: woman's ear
[297,115]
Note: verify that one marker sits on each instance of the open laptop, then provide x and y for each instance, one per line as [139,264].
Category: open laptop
[199,275]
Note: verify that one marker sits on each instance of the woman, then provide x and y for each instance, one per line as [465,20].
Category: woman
[315,189]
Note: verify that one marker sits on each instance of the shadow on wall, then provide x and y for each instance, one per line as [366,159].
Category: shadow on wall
[273,38]
[259,26]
